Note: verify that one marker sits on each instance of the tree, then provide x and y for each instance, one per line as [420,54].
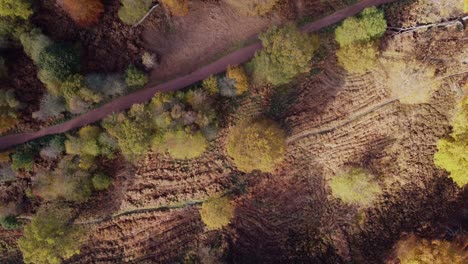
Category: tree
[411,81]
[85,13]
[210,85]
[286,53]
[415,250]
[15,8]
[51,107]
[135,78]
[239,76]
[50,237]
[358,58]
[133,10]
[177,7]
[369,25]
[217,212]
[74,90]
[9,222]
[101,181]
[257,145]
[180,144]
[58,61]
[452,152]
[253,7]
[8,110]
[34,42]
[355,186]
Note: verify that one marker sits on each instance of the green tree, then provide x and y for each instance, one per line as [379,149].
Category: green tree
[452,152]
[58,61]
[180,144]
[133,10]
[101,181]
[358,58]
[217,212]
[134,78]
[286,53]
[355,186]
[369,25]
[257,145]
[34,42]
[50,238]
[15,8]
[9,222]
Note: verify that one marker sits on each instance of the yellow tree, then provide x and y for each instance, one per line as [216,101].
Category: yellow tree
[217,212]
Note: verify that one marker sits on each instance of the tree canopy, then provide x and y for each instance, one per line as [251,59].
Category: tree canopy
[217,212]
[286,53]
[15,8]
[84,12]
[257,145]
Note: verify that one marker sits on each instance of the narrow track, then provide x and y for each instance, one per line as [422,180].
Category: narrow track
[125,102]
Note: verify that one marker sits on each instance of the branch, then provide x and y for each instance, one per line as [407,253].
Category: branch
[146,15]
[456,21]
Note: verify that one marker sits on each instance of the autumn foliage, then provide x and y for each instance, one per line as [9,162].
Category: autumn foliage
[177,7]
[85,13]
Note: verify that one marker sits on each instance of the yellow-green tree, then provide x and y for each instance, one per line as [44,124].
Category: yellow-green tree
[15,8]
[133,10]
[355,186]
[415,250]
[210,85]
[452,152]
[256,145]
[217,212]
[286,53]
[180,144]
[253,7]
[358,58]
[50,238]
[239,76]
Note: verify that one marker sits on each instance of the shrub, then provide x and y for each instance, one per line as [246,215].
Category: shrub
[22,160]
[452,152]
[286,53]
[9,222]
[148,59]
[238,74]
[67,182]
[54,148]
[133,10]
[355,186]
[79,97]
[50,237]
[410,81]
[134,78]
[51,107]
[109,85]
[8,110]
[211,85]
[358,58]
[58,61]
[257,145]
[15,8]
[217,213]
[415,250]
[177,7]
[101,181]
[180,144]
[253,7]
[85,13]
[370,24]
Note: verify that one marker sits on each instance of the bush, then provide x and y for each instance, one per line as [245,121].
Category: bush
[355,186]
[101,181]
[239,76]
[15,8]
[180,144]
[133,10]
[211,85]
[22,160]
[85,13]
[452,152]
[177,7]
[109,85]
[8,110]
[34,42]
[257,145]
[58,61]
[79,97]
[286,53]
[51,107]
[410,81]
[253,7]
[9,222]
[369,25]
[148,59]
[67,182]
[217,213]
[134,78]
[415,250]
[50,237]
[358,58]
[54,148]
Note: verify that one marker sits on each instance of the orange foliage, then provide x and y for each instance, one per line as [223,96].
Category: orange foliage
[7,123]
[84,12]
[177,7]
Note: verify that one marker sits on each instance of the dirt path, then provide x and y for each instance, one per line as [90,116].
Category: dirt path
[239,57]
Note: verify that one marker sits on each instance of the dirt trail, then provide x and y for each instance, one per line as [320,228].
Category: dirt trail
[239,57]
